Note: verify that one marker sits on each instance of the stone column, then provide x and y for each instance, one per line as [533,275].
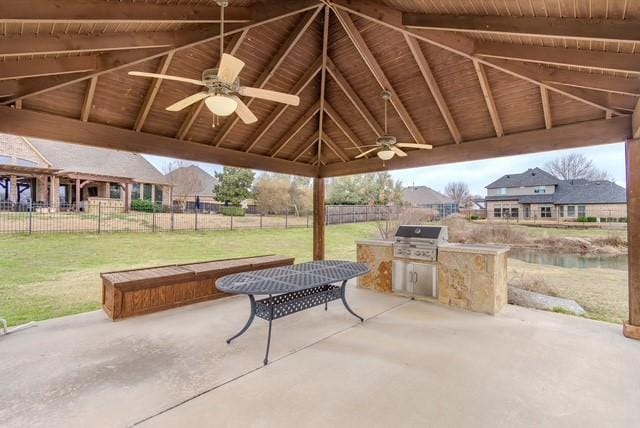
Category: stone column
[141,190]
[153,193]
[54,192]
[127,197]
[78,194]
[13,189]
[631,327]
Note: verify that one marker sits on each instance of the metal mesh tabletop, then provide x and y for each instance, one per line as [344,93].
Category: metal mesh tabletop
[291,278]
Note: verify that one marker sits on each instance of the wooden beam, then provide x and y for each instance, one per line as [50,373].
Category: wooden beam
[311,141]
[42,125]
[595,81]
[271,69]
[194,111]
[88,99]
[620,104]
[636,121]
[46,67]
[631,327]
[378,73]
[98,11]
[581,134]
[343,126]
[323,78]
[575,28]
[318,218]
[599,60]
[431,81]
[354,98]
[300,86]
[183,40]
[152,92]
[286,139]
[342,155]
[546,107]
[488,98]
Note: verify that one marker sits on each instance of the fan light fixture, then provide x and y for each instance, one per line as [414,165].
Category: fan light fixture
[220,105]
[386,154]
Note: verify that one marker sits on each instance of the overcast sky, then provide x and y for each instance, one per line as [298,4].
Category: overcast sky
[478,174]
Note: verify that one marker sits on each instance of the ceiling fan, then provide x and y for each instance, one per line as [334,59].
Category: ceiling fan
[386,145]
[222,85]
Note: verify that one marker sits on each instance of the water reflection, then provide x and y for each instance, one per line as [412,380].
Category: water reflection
[575,261]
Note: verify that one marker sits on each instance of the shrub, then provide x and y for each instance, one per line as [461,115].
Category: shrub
[587,219]
[145,205]
[474,217]
[233,211]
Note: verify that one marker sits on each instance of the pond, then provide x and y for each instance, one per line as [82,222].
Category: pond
[569,260]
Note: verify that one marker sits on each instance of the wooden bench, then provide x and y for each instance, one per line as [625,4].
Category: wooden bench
[141,291]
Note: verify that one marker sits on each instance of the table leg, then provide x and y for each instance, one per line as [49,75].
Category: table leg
[249,321]
[266,355]
[343,289]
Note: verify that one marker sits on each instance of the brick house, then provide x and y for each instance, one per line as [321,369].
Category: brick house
[426,197]
[51,175]
[536,194]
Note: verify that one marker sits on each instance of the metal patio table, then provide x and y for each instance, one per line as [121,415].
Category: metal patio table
[291,289]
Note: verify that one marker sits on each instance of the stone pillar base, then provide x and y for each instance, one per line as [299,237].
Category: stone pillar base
[631,331]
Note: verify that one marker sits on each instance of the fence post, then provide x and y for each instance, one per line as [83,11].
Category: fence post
[261,220]
[286,219]
[307,221]
[231,222]
[99,215]
[153,217]
[172,217]
[195,210]
[30,215]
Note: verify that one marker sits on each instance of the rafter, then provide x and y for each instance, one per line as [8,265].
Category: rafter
[301,123]
[342,155]
[34,124]
[183,39]
[271,69]
[366,54]
[323,79]
[354,98]
[607,61]
[546,107]
[575,28]
[307,145]
[98,11]
[431,81]
[596,81]
[46,67]
[194,111]
[300,86]
[488,98]
[88,99]
[583,134]
[343,126]
[152,92]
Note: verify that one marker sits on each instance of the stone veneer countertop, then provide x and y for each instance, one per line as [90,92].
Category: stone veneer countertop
[474,248]
[375,242]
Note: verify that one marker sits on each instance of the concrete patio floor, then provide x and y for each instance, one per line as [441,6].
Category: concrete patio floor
[410,364]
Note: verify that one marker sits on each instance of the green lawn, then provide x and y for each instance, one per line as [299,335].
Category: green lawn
[51,275]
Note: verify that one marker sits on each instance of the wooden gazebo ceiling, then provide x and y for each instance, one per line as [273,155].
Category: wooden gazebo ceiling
[476,79]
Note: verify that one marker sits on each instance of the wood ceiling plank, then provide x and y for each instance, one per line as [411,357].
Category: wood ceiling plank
[488,98]
[344,157]
[354,98]
[46,67]
[99,11]
[88,99]
[42,125]
[286,139]
[583,134]
[152,92]
[431,81]
[575,28]
[343,126]
[308,144]
[272,68]
[597,81]
[546,107]
[366,54]
[607,61]
[300,86]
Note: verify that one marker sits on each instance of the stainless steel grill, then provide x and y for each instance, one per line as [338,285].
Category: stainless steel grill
[415,256]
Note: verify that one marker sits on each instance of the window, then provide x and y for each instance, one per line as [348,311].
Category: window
[92,192]
[514,213]
[527,211]
[582,211]
[545,212]
[502,191]
[540,189]
[158,197]
[561,211]
[135,191]
[114,191]
[505,213]
[571,211]
[497,212]
[147,192]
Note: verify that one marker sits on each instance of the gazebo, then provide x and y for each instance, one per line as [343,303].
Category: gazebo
[476,79]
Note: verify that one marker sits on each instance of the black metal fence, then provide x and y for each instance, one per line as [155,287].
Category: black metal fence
[106,217]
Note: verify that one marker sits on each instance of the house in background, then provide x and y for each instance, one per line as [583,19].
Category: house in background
[536,194]
[426,197]
[190,182]
[51,175]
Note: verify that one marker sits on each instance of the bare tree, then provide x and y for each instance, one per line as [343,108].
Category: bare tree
[458,191]
[575,166]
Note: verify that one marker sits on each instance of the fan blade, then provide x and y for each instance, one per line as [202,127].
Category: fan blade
[167,77]
[230,68]
[188,101]
[365,153]
[243,111]
[265,94]
[415,146]
[397,151]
